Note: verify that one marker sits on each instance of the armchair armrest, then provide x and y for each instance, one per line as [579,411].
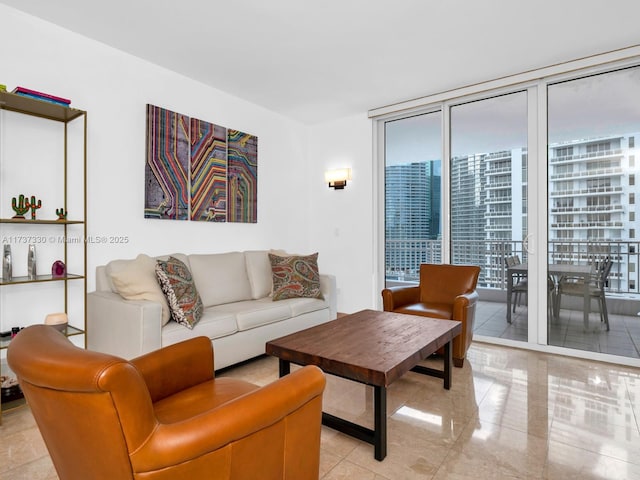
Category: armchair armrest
[396,297]
[462,303]
[295,400]
[126,328]
[176,367]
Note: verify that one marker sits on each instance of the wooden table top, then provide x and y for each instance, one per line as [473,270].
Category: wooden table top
[369,346]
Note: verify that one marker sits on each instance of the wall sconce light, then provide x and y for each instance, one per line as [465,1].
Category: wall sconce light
[337,178]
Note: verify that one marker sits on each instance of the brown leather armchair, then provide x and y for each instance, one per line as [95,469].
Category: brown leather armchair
[163,415]
[445,291]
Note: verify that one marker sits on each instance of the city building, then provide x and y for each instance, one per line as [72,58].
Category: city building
[592,210]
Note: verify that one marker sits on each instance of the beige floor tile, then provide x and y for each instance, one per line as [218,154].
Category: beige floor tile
[525,410]
[599,437]
[328,461]
[567,462]
[40,469]
[346,470]
[409,457]
[491,449]
[21,447]
[337,443]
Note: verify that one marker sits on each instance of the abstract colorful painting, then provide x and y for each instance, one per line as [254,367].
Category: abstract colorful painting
[167,165]
[200,171]
[242,177]
[208,171]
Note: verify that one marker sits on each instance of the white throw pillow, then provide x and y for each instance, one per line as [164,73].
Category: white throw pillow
[136,280]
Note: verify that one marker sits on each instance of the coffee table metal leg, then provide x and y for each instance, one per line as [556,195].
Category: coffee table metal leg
[380,422]
[376,437]
[284,367]
[447,365]
[445,373]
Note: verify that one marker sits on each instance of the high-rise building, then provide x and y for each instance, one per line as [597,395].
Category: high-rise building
[412,216]
[489,215]
[592,204]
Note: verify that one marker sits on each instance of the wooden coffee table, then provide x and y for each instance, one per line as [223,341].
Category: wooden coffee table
[370,347]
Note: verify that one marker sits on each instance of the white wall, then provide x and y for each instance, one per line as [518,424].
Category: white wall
[296,209]
[343,226]
[114,88]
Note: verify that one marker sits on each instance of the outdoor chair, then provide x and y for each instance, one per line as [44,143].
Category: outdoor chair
[598,281]
[519,281]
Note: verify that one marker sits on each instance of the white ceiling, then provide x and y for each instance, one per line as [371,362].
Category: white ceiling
[319,60]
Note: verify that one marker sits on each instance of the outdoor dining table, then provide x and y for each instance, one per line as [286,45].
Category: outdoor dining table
[556,270]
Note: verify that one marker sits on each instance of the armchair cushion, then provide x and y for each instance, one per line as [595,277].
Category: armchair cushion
[434,310]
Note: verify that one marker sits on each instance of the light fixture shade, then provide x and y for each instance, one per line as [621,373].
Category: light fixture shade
[337,178]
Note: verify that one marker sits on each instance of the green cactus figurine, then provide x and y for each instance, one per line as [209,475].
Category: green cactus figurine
[19,206]
[34,206]
[62,213]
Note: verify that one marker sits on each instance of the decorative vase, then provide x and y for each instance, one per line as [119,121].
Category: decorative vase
[31,263]
[58,269]
[6,263]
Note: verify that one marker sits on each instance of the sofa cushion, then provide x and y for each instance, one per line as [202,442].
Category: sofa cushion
[295,276]
[136,280]
[212,325]
[259,271]
[254,313]
[182,295]
[300,306]
[220,278]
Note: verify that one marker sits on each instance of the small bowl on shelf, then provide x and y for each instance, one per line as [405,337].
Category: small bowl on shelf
[59,321]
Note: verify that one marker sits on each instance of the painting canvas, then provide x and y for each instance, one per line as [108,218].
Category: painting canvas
[242,180]
[208,171]
[167,165]
[198,170]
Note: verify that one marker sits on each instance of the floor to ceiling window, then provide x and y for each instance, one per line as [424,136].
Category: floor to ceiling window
[593,128]
[542,172]
[488,184]
[413,228]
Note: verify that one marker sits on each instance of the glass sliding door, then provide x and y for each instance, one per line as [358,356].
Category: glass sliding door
[593,133]
[488,182]
[413,202]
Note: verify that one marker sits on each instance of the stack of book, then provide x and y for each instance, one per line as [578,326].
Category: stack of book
[45,97]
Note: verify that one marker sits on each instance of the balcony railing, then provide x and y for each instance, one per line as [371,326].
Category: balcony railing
[403,259]
[603,153]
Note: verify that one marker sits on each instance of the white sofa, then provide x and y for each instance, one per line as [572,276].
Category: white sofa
[239,314]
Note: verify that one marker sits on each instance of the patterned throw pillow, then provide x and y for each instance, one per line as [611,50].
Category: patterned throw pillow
[295,276]
[177,284]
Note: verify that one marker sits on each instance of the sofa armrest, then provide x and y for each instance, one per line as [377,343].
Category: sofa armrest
[396,297]
[126,328]
[176,367]
[294,402]
[330,292]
